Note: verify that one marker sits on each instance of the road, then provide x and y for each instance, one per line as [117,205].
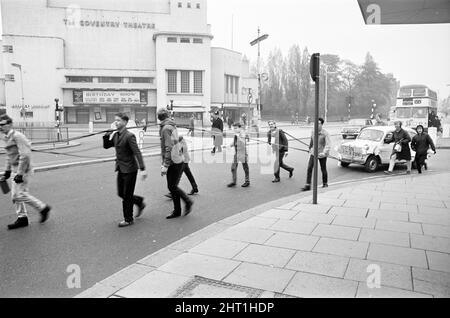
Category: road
[83,228]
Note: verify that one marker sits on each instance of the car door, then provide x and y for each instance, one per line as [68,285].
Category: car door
[386,149]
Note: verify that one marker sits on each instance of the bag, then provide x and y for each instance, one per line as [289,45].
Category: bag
[176,154]
[5,187]
[398,147]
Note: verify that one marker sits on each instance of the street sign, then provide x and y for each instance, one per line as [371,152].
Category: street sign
[260,39]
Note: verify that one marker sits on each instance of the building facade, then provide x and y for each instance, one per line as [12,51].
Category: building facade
[100,57]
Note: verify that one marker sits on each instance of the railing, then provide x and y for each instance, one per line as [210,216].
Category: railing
[45,135]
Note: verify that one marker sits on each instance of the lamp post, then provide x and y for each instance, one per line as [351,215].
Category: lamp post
[21,84]
[326,92]
[258,40]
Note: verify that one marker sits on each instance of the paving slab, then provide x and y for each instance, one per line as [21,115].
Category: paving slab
[361,204]
[265,255]
[319,208]
[279,214]
[337,231]
[431,282]
[313,217]
[323,264]
[399,226]
[426,203]
[159,258]
[354,221]
[260,276]
[439,261]
[219,248]
[294,226]
[341,247]
[244,234]
[430,243]
[397,255]
[388,215]
[156,284]
[387,292]
[399,207]
[432,210]
[127,276]
[316,286]
[429,219]
[190,264]
[436,230]
[385,237]
[390,275]
[361,212]
[293,241]
[258,222]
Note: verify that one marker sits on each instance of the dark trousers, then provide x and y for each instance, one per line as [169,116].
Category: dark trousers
[234,167]
[187,171]
[173,179]
[323,167]
[420,161]
[280,164]
[126,183]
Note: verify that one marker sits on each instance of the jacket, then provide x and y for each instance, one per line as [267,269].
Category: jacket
[281,142]
[421,143]
[217,124]
[18,152]
[184,150]
[324,144]
[404,139]
[171,152]
[128,156]
[240,146]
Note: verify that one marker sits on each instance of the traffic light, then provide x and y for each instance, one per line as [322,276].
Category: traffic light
[315,67]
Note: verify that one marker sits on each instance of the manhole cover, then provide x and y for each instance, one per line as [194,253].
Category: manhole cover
[201,287]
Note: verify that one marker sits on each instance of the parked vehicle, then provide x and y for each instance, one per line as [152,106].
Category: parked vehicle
[354,126]
[370,148]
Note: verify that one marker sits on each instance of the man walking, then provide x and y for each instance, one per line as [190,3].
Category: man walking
[280,148]
[401,149]
[191,125]
[324,150]
[420,144]
[172,163]
[240,146]
[18,166]
[217,132]
[128,162]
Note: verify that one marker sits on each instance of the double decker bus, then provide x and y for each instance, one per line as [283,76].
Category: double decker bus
[417,105]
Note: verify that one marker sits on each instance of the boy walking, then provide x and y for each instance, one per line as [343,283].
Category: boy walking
[240,145]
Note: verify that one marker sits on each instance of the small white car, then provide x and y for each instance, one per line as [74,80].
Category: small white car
[370,149]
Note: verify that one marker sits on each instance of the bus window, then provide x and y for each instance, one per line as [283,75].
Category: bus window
[404,92]
[403,112]
[419,113]
[419,92]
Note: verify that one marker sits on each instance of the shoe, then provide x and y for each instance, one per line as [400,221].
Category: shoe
[246,184]
[168,196]
[173,216]
[194,191]
[291,173]
[125,223]
[231,185]
[141,210]
[306,188]
[20,222]
[276,180]
[389,173]
[325,185]
[44,213]
[188,208]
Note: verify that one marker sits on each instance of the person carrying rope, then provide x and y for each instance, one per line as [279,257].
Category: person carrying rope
[324,151]
[18,166]
[280,148]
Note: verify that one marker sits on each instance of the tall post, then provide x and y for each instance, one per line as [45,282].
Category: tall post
[258,106]
[326,94]
[315,74]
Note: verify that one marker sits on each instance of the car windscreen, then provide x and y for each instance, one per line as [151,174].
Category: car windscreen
[371,135]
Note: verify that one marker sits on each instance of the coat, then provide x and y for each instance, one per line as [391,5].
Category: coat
[281,143]
[171,152]
[240,146]
[421,143]
[18,152]
[128,156]
[404,139]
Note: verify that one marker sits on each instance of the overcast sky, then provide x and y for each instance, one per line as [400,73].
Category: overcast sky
[415,54]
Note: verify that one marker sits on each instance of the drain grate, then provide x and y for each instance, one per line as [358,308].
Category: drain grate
[201,287]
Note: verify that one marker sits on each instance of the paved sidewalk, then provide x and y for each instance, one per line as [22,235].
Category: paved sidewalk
[397,226]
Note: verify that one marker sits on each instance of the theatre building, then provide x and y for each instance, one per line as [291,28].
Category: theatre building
[99,57]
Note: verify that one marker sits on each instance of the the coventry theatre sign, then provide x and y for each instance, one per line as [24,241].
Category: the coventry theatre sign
[108,24]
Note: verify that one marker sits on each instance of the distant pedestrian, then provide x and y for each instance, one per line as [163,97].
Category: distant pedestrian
[229,122]
[239,144]
[244,119]
[172,163]
[128,161]
[280,147]
[217,132]
[324,146]
[292,119]
[18,166]
[144,125]
[191,125]
[296,119]
[421,143]
[401,150]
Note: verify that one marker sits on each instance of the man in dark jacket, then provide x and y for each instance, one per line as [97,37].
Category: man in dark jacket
[401,149]
[128,162]
[217,132]
[239,144]
[280,147]
[172,163]
[420,144]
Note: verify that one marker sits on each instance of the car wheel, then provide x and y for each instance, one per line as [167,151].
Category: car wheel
[344,164]
[372,164]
